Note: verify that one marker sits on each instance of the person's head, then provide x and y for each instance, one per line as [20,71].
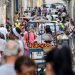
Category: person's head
[39,8]
[16,12]
[59,61]
[48,30]
[11,51]
[15,33]
[31,29]
[2,36]
[7,18]
[1,25]
[22,27]
[24,66]
[35,7]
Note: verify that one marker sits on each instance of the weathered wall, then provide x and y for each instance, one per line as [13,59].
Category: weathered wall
[53,1]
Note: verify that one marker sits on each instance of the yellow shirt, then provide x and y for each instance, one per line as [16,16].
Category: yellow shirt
[17,25]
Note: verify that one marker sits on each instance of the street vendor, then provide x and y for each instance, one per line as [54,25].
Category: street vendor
[47,36]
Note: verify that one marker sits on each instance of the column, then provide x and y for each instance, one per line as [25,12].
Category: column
[24,4]
[12,10]
[72,9]
[34,3]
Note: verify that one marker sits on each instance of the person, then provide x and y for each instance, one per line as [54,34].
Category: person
[2,46]
[24,31]
[31,36]
[8,24]
[41,29]
[23,28]
[25,21]
[61,25]
[59,61]
[36,10]
[47,37]
[63,15]
[32,13]
[48,17]
[17,23]
[15,34]
[68,27]
[16,16]
[39,11]
[45,11]
[4,31]
[11,53]
[25,66]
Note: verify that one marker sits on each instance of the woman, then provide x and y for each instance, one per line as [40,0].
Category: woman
[47,36]
[59,62]
[29,37]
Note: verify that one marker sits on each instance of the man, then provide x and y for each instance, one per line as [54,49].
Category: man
[11,53]
[25,66]
[2,46]
[4,31]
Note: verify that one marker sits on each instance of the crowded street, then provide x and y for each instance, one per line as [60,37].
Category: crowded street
[37,37]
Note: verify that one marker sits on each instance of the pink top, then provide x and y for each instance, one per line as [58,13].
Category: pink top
[31,37]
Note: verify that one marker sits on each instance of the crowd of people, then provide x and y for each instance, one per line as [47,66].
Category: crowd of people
[58,61]
[14,44]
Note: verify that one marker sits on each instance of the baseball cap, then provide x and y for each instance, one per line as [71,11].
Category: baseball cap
[11,48]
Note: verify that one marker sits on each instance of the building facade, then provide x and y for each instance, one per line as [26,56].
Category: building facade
[3,4]
[53,1]
[11,6]
[72,9]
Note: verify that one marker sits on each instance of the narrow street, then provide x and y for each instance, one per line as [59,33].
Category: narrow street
[37,37]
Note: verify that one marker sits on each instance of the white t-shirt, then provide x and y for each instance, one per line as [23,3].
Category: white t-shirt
[63,14]
[41,28]
[21,46]
[4,31]
[49,17]
[2,44]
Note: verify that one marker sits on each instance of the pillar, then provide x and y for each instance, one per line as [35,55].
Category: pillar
[24,4]
[12,10]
